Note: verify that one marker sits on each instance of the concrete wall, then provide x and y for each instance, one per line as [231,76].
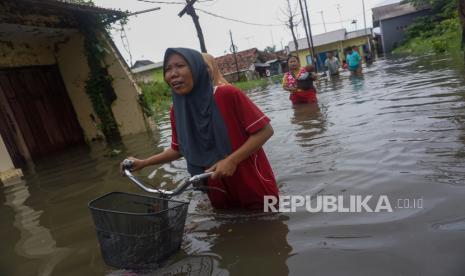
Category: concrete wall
[145,77]
[393,29]
[68,53]
[126,109]
[150,75]
[336,46]
[25,51]
[72,61]
[5,160]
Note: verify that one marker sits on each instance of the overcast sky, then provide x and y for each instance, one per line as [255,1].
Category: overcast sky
[151,33]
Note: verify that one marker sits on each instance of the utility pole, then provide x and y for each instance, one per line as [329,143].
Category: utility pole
[311,36]
[189,9]
[365,25]
[233,49]
[338,7]
[310,45]
[323,18]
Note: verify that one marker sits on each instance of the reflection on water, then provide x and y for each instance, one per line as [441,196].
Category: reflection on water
[36,241]
[397,130]
[265,253]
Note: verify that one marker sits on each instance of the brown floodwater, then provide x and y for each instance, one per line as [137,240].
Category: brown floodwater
[399,131]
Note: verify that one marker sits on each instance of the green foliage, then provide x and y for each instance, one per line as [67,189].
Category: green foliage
[156,95]
[270,49]
[99,86]
[439,8]
[277,78]
[260,84]
[438,32]
[445,37]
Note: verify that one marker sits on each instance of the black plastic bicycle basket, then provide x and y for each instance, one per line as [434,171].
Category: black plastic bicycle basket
[137,231]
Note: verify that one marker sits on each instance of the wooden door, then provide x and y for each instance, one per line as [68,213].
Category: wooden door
[42,108]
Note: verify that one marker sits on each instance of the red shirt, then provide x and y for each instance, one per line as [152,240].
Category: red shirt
[254,177]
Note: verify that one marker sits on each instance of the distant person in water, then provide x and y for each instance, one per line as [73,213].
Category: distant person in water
[332,64]
[299,82]
[354,61]
[218,129]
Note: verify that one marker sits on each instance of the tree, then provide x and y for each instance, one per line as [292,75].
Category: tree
[270,49]
[443,9]
[291,21]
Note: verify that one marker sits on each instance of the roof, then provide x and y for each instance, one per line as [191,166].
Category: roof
[140,63]
[359,33]
[245,60]
[72,5]
[395,10]
[53,13]
[148,67]
[328,38]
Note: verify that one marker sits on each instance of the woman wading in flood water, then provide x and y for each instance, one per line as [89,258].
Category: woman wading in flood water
[217,129]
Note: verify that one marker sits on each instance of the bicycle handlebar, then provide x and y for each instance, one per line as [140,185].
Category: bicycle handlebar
[127,164]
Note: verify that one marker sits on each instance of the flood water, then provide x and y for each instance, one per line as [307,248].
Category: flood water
[397,131]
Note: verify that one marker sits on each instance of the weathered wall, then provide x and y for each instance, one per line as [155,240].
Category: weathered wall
[5,161]
[17,52]
[126,109]
[359,41]
[68,54]
[149,75]
[74,69]
[145,77]
[393,29]
[31,36]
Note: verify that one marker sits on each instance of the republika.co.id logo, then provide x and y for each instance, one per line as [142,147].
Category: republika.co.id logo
[339,203]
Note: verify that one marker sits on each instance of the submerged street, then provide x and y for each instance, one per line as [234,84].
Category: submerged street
[398,130]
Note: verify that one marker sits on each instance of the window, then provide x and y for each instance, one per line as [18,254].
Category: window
[309,59]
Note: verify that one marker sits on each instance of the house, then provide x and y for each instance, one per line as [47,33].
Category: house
[251,64]
[335,41]
[148,73]
[140,63]
[393,20]
[62,80]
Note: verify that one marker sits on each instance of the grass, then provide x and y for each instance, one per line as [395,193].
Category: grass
[259,84]
[156,97]
[447,38]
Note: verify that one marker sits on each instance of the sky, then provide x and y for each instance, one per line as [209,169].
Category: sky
[149,34]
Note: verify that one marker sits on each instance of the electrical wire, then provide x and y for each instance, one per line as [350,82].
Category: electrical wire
[232,19]
[237,20]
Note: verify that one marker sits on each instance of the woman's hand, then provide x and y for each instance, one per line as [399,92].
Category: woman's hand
[290,89]
[165,156]
[224,168]
[136,165]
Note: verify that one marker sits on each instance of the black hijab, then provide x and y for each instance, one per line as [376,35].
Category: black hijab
[202,135]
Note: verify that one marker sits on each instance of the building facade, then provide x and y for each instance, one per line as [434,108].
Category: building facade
[393,21]
[335,41]
[148,73]
[251,64]
[44,69]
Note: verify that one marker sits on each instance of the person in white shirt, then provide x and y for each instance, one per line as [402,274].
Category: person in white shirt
[332,64]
